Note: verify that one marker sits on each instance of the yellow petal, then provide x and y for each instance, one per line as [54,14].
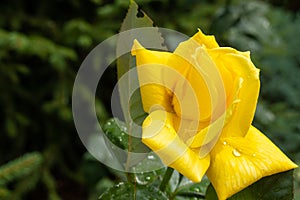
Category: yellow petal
[237,162]
[208,40]
[160,136]
[225,72]
[244,72]
[207,134]
[213,80]
[187,129]
[197,91]
[149,67]
[207,137]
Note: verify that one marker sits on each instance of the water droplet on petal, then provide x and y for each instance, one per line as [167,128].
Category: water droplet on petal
[236,153]
[254,155]
[224,142]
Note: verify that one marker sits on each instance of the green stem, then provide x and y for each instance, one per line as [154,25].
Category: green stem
[130,176]
[166,179]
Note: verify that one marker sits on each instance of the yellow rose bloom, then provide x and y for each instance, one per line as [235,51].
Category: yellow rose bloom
[201,101]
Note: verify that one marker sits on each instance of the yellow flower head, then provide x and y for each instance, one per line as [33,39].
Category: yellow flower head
[201,101]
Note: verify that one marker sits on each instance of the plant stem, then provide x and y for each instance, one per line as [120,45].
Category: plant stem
[130,177]
[166,178]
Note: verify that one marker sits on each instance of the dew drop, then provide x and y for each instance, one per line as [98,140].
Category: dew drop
[236,153]
[141,180]
[148,178]
[108,123]
[196,189]
[151,157]
[119,139]
[254,155]
[224,142]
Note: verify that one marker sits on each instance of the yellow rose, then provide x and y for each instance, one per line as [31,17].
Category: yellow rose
[201,101]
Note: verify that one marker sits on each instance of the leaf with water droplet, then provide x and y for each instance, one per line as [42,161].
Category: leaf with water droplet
[127,191]
[117,137]
[113,129]
[149,170]
[120,191]
[275,187]
[192,190]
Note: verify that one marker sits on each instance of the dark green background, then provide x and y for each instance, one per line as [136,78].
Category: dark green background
[42,44]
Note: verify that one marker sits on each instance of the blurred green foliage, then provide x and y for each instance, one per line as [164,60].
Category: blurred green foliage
[42,44]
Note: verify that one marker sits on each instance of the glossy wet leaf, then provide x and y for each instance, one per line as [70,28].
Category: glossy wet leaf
[117,136]
[126,191]
[190,190]
[150,170]
[275,187]
[117,133]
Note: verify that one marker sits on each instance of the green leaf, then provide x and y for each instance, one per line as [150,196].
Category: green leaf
[125,191]
[115,130]
[117,133]
[128,84]
[275,187]
[190,190]
[135,18]
[149,171]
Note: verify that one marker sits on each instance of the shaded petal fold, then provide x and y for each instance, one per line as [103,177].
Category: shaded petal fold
[208,134]
[160,136]
[196,92]
[245,74]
